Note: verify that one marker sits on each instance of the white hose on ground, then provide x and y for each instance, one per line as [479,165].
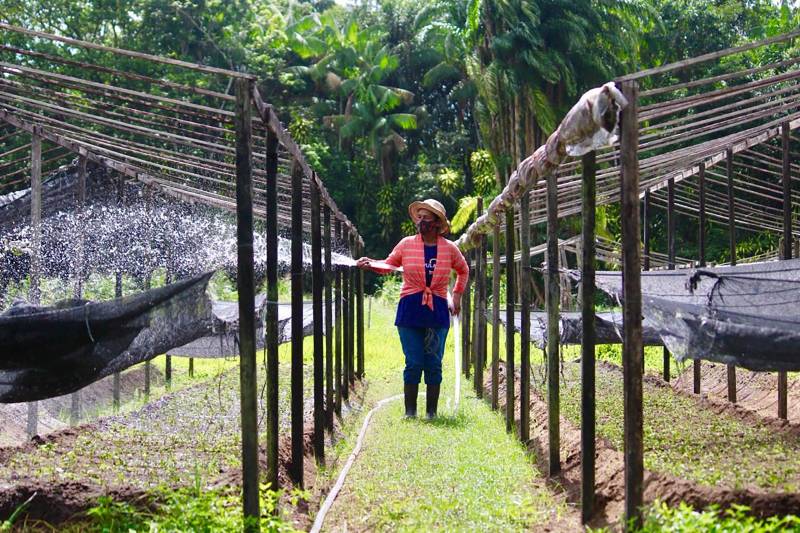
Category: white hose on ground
[326,505]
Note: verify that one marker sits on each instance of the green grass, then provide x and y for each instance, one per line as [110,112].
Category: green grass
[688,440]
[660,517]
[462,472]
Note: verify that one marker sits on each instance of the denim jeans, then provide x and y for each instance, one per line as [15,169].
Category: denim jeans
[424,349]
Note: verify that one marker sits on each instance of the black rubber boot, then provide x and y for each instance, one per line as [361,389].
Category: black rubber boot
[411,392]
[432,401]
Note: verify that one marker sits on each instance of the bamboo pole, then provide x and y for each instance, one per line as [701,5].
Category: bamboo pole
[246,289]
[34,292]
[495,315]
[296,468]
[510,311]
[632,308]
[319,349]
[480,306]
[351,334]
[588,403]
[329,386]
[783,381]
[525,318]
[553,336]
[731,369]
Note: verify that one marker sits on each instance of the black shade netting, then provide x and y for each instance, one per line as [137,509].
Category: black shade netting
[223,340]
[50,351]
[608,328]
[746,315]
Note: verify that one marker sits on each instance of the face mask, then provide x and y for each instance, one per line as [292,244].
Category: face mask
[425,226]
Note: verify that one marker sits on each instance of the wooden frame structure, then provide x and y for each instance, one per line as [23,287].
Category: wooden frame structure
[197,144]
[717,149]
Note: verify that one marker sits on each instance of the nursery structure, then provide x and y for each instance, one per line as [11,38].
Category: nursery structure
[151,140]
[716,148]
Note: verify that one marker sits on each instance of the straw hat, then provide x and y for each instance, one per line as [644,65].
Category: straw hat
[435,207]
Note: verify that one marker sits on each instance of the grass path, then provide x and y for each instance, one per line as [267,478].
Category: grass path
[462,472]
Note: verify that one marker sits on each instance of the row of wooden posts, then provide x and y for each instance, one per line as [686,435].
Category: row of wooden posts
[337,304]
[474,338]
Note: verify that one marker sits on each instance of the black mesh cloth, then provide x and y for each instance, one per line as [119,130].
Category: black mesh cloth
[746,315]
[223,340]
[608,328]
[50,351]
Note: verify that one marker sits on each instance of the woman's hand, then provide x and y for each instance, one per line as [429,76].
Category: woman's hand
[363,263]
[455,305]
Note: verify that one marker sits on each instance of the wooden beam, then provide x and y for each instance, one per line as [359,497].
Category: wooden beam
[588,402]
[128,53]
[34,292]
[338,326]
[316,298]
[246,290]
[697,365]
[525,318]
[495,316]
[553,334]
[329,384]
[297,404]
[783,381]
[480,307]
[731,369]
[632,308]
[271,323]
[711,56]
[510,298]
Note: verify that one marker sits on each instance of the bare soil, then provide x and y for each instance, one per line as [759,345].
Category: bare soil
[610,487]
[756,392]
[188,433]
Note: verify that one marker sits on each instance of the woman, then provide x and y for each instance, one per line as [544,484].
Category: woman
[423,319]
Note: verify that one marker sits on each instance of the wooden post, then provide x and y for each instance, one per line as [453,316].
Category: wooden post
[495,315]
[75,397]
[296,467]
[338,327]
[480,306]
[351,333]
[191,367]
[345,326]
[701,241]
[525,316]
[346,329]
[34,293]
[245,285]
[632,308]
[329,388]
[510,312]
[466,308]
[732,242]
[783,381]
[271,322]
[553,336]
[118,291]
[316,298]
[588,409]
[646,229]
[359,319]
[670,255]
